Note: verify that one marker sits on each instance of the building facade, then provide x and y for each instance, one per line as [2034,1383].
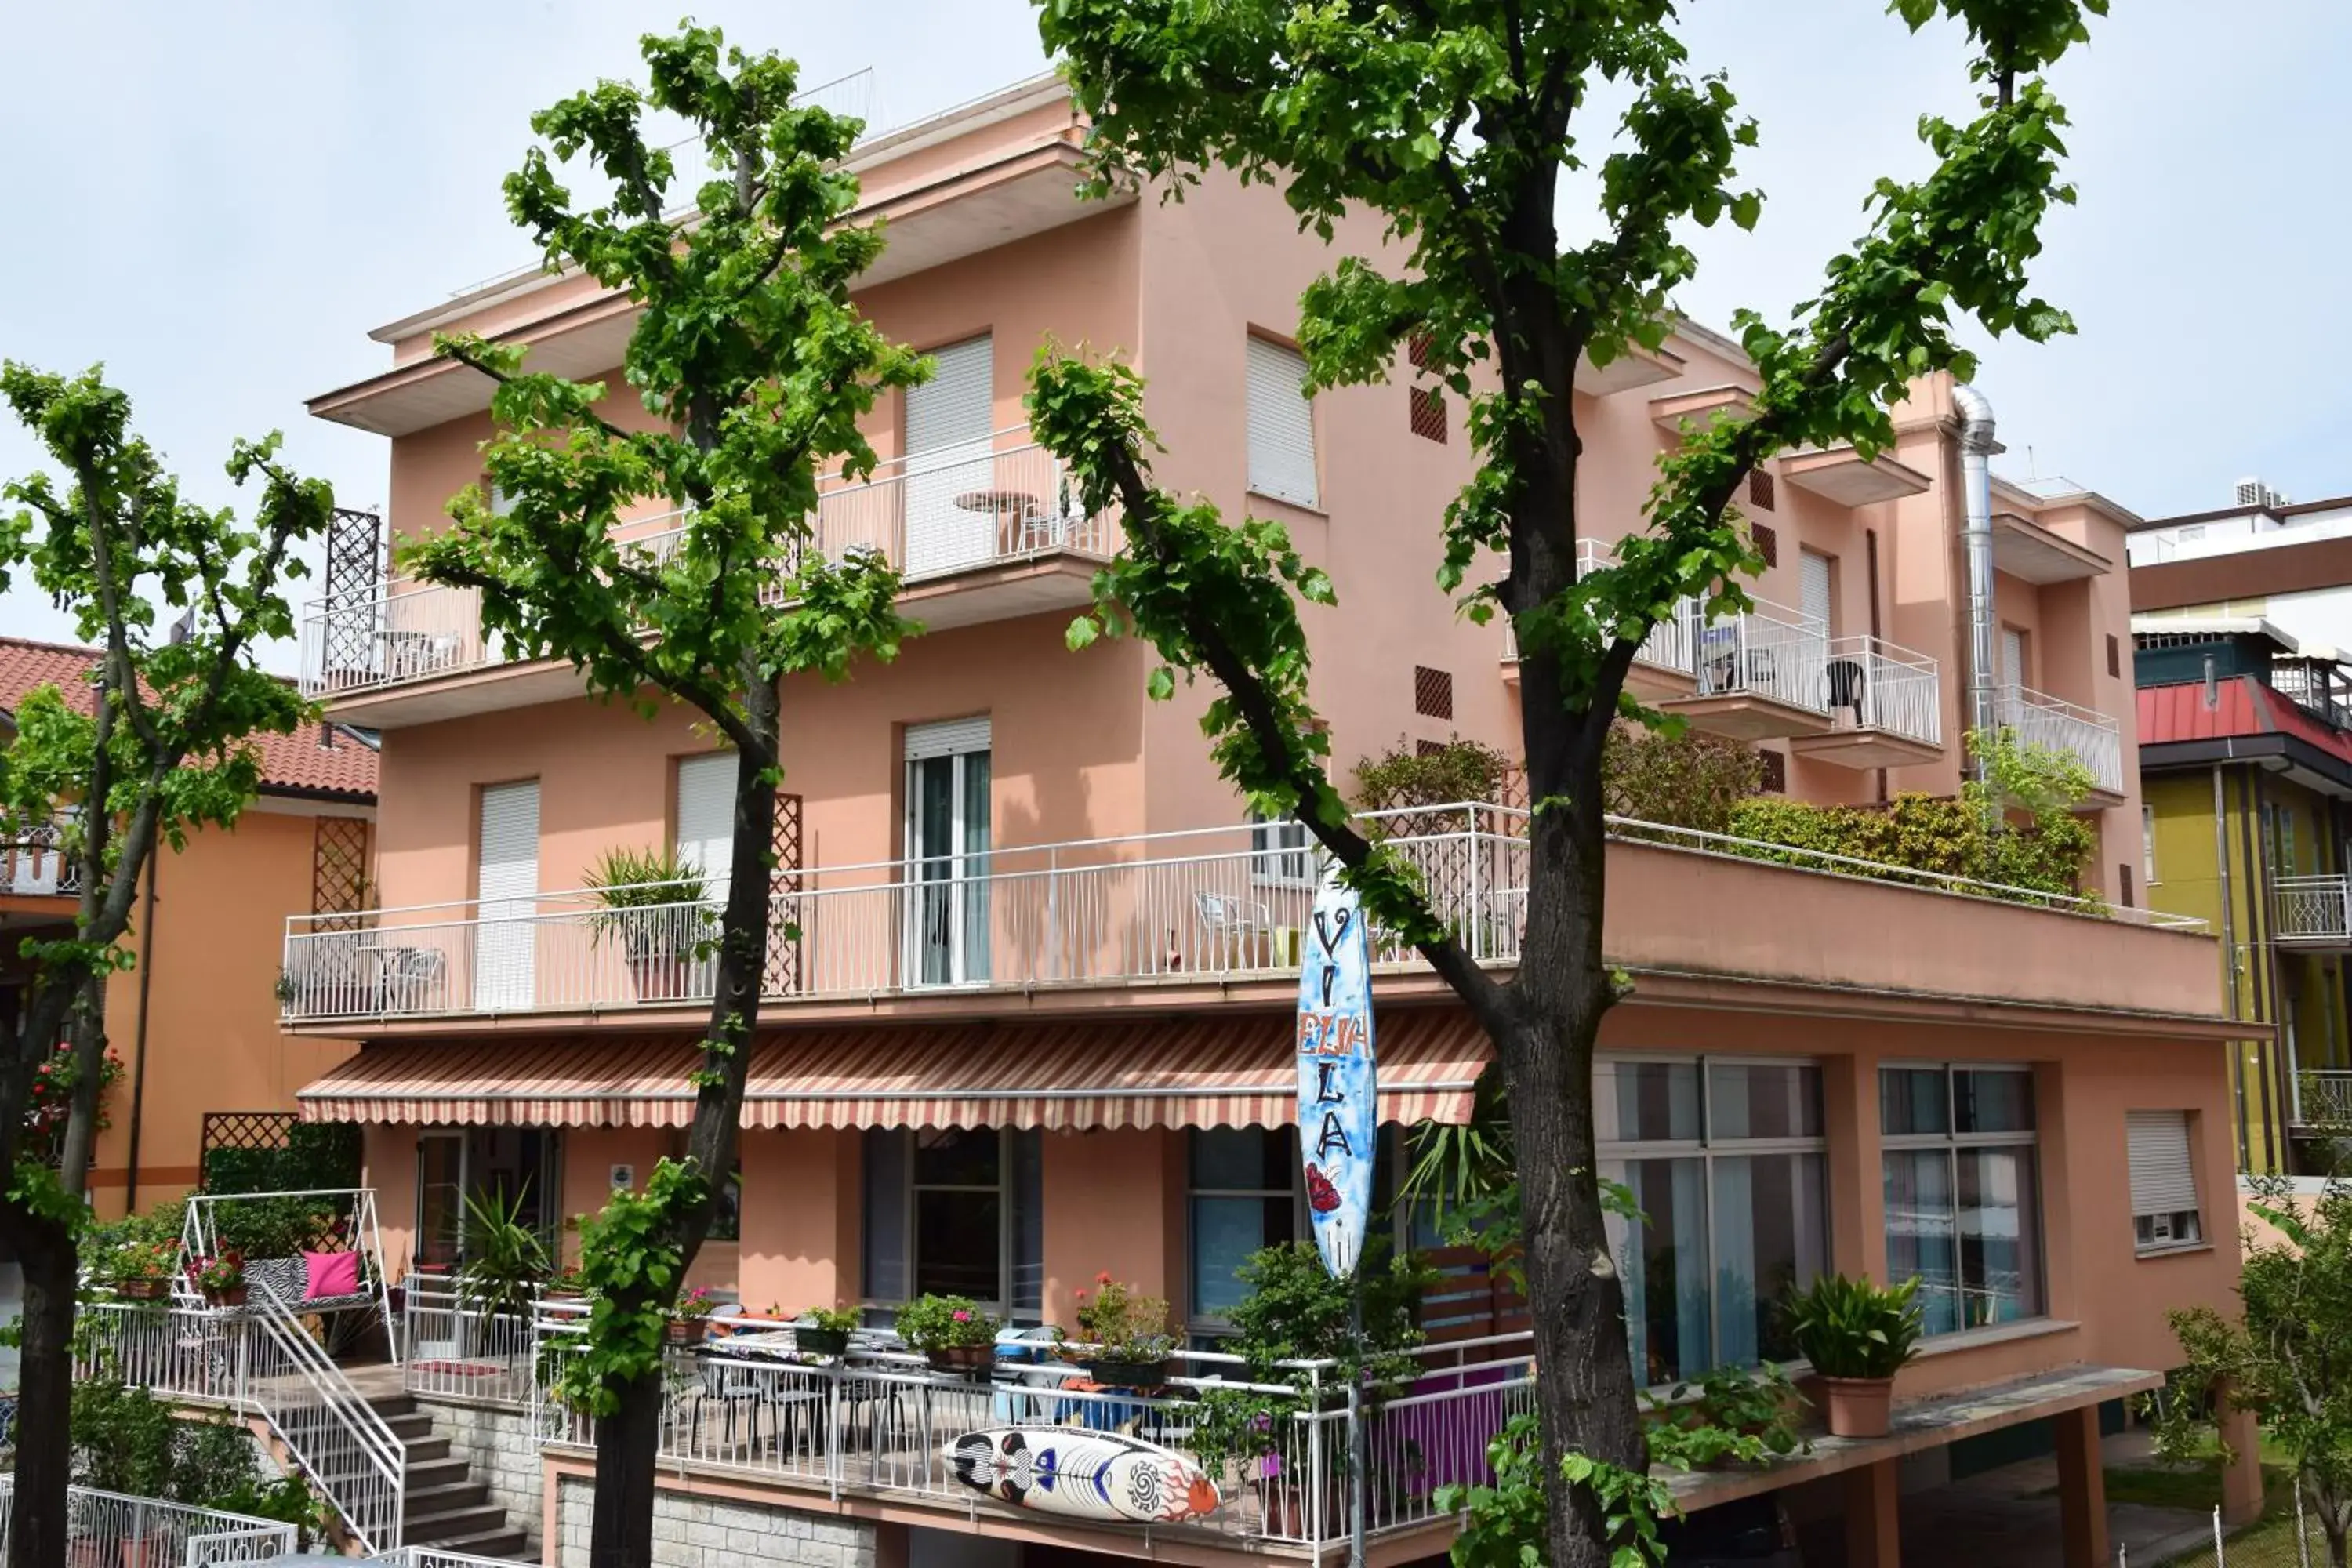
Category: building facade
[1030,1022]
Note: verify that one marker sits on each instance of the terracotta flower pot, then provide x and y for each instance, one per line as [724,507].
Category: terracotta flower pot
[142,1290]
[686,1330]
[228,1296]
[1858,1406]
[659,976]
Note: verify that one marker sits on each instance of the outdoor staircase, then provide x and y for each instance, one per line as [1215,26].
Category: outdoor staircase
[441,1505]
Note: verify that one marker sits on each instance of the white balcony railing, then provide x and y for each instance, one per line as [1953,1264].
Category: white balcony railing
[1884,688]
[990,502]
[2318,909]
[2323,1098]
[106,1528]
[879,1421]
[453,1349]
[33,864]
[2038,719]
[1767,650]
[1224,902]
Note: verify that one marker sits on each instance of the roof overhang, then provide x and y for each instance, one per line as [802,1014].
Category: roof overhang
[1634,367]
[2289,755]
[1842,475]
[1698,409]
[2217,626]
[2032,554]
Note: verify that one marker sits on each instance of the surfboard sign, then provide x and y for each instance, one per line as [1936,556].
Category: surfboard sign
[1338,1114]
[1079,1474]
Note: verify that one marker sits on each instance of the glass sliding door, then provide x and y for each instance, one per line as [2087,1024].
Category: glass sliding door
[947,863]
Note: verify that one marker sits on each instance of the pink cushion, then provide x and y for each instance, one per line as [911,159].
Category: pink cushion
[331,1274]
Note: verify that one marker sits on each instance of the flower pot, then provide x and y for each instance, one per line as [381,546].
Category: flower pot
[227,1296]
[1118,1373]
[1858,1406]
[659,976]
[964,1359]
[142,1290]
[1287,1512]
[147,1551]
[821,1342]
[686,1330]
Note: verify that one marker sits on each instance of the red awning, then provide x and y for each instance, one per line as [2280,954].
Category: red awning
[1145,1072]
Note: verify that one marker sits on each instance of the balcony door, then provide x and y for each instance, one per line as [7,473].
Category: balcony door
[947,853]
[506,894]
[951,502]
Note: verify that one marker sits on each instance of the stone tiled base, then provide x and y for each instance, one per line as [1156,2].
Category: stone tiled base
[712,1533]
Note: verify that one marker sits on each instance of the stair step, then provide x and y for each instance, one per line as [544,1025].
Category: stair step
[509,1543]
[411,1424]
[447,1523]
[425,1473]
[417,1500]
[392,1405]
[426,1450]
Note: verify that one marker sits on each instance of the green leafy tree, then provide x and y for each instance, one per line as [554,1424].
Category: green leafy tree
[158,745]
[2286,1356]
[756,367]
[1455,123]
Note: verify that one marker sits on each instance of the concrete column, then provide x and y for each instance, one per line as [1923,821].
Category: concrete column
[2082,1490]
[1874,1535]
[2241,1481]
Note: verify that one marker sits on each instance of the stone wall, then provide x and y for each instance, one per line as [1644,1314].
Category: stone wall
[720,1532]
[500,1447]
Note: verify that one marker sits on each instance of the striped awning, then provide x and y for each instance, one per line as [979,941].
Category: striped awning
[1144,1072]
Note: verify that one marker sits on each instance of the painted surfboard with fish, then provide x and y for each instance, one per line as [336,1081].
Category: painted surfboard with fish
[1079,1474]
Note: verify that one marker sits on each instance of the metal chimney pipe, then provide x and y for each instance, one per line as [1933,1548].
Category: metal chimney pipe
[1976,446]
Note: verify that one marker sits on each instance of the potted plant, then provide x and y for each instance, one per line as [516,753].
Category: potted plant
[1857,1335]
[952,1333]
[653,903]
[567,1284]
[505,1257]
[1731,1414]
[691,1316]
[1122,1340]
[140,1269]
[220,1277]
[826,1331]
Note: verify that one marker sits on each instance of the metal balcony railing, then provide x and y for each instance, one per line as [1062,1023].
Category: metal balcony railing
[2038,719]
[1884,688]
[33,863]
[2323,1098]
[2312,910]
[994,501]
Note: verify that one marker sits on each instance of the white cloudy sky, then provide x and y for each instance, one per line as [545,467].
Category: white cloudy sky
[219,201]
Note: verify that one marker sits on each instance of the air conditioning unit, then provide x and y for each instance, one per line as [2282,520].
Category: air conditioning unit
[2254,493]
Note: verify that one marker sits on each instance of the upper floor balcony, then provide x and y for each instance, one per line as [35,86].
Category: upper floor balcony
[2313,912]
[1202,916]
[2091,737]
[33,866]
[984,531]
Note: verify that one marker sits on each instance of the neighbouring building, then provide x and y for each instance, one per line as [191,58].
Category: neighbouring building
[1034,1024]
[195,1022]
[2245,717]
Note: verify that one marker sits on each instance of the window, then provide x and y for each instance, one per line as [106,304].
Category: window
[2163,1181]
[953,1211]
[2147,845]
[948,827]
[706,819]
[1725,1158]
[949,465]
[1963,1204]
[1242,1196]
[506,892]
[2115,658]
[1773,777]
[2194,531]
[1279,853]
[1281,425]
[1816,601]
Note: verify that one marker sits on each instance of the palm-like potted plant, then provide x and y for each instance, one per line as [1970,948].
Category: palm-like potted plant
[952,1333]
[506,1259]
[652,903]
[1857,1335]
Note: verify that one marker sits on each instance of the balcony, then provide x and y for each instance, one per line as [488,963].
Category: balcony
[2313,912]
[984,532]
[1887,707]
[2323,1101]
[2038,719]
[33,867]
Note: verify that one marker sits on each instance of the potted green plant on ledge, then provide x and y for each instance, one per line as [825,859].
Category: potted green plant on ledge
[653,903]
[952,1333]
[221,1278]
[1122,1338]
[1857,1335]
[826,1331]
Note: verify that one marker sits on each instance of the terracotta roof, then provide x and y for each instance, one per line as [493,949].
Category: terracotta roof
[2245,706]
[295,764]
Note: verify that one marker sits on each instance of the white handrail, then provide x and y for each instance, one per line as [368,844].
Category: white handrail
[108,1527]
[340,1440]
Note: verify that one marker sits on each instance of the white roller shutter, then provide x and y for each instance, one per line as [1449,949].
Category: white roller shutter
[2013,658]
[2163,1178]
[1281,425]
[705,818]
[507,895]
[948,738]
[949,421]
[1814,570]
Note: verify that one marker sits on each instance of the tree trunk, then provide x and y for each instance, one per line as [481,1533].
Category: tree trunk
[37,1533]
[2330,1523]
[628,1442]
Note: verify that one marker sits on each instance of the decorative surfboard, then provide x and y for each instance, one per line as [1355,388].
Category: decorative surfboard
[1339,1115]
[1080,1474]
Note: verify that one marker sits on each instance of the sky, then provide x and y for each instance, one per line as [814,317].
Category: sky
[219,200]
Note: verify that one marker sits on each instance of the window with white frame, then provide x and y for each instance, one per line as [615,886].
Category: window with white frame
[1962,1190]
[1281,425]
[2163,1181]
[2147,846]
[1279,853]
[955,1212]
[1246,1190]
[1726,1158]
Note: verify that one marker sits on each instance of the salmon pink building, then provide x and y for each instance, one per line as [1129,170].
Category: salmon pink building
[1027,1016]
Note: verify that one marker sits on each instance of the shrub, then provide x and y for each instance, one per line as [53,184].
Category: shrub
[944,1322]
[1680,780]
